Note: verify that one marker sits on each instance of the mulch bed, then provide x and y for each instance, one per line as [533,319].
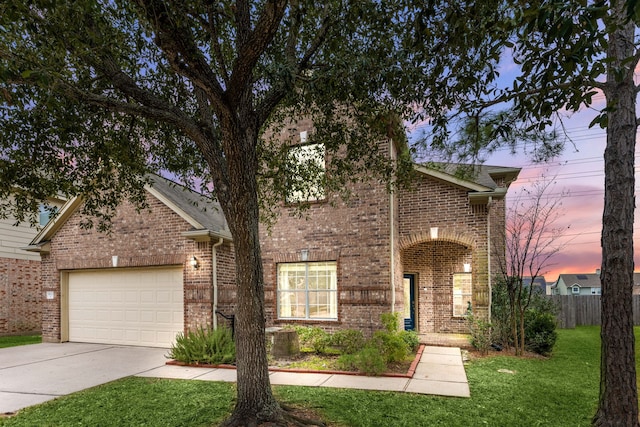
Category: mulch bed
[403,370]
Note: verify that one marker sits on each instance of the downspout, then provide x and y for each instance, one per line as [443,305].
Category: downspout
[214,282]
[489,203]
[392,258]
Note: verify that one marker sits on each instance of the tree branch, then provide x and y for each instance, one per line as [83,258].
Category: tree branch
[252,44]
[184,56]
[272,98]
[152,110]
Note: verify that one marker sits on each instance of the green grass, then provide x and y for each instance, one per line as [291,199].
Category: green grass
[13,341]
[560,391]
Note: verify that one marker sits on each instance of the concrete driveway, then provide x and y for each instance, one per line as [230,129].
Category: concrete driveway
[33,374]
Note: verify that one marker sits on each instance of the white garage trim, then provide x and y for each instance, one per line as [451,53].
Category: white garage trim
[125,306]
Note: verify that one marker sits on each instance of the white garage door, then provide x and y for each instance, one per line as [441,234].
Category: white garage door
[129,306]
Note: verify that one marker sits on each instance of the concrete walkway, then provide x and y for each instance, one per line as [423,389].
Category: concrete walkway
[439,372]
[36,373]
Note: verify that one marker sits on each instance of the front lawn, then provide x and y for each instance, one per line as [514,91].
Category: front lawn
[13,341]
[505,391]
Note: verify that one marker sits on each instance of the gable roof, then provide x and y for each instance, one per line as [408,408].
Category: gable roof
[198,210]
[588,280]
[483,181]
[204,214]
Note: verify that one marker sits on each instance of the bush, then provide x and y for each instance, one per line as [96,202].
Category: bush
[210,346]
[540,332]
[539,321]
[368,360]
[390,346]
[349,341]
[390,321]
[411,338]
[313,337]
[480,331]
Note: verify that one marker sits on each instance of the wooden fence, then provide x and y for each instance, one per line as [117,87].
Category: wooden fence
[578,310]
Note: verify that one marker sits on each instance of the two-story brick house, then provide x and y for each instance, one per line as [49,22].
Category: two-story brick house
[422,252]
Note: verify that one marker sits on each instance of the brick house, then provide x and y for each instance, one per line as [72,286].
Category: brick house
[160,271]
[422,252]
[20,311]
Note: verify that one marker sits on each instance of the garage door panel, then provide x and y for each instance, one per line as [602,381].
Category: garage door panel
[129,307]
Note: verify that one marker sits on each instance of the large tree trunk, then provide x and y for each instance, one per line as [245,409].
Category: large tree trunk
[255,401]
[618,404]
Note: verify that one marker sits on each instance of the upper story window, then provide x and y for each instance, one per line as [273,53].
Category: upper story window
[575,289]
[308,290]
[46,214]
[307,173]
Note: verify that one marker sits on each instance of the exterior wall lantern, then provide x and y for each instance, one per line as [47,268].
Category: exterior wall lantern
[467,268]
[194,262]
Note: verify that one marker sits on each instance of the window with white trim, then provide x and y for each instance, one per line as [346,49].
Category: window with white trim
[308,290]
[575,289]
[307,174]
[462,289]
[596,291]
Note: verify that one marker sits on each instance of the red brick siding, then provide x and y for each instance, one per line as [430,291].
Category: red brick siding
[434,264]
[462,238]
[353,233]
[145,239]
[20,311]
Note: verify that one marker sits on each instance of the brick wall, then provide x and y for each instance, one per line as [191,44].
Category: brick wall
[139,239]
[20,311]
[354,233]
[462,238]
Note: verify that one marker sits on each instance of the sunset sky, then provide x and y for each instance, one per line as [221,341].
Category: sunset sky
[578,172]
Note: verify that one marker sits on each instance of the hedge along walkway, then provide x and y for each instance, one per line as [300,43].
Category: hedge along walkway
[439,371]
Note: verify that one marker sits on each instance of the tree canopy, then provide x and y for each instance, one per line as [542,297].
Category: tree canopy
[94,94]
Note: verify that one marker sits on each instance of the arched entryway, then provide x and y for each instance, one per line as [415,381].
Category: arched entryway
[441,281]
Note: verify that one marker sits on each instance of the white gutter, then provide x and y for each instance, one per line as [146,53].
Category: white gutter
[214,281]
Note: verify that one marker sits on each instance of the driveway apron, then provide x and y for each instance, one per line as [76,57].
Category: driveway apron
[36,373]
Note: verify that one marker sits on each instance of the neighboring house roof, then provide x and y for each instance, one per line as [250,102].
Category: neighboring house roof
[483,181]
[204,214]
[540,282]
[588,280]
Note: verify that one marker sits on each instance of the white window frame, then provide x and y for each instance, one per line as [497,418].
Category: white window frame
[298,298]
[462,294]
[575,290]
[313,156]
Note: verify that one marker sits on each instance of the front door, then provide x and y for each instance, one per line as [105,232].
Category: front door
[409,302]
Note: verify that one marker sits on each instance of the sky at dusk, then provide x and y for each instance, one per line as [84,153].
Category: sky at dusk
[579,177]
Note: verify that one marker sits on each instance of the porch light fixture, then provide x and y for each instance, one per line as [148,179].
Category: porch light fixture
[304,255]
[467,268]
[434,233]
[194,262]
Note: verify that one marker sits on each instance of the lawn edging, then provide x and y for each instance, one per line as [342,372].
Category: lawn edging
[409,374]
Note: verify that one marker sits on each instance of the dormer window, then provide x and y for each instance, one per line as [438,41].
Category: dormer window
[575,289]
